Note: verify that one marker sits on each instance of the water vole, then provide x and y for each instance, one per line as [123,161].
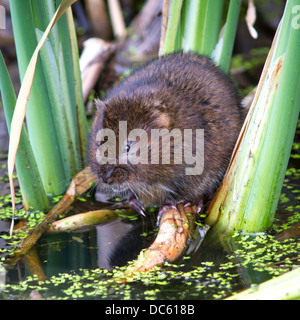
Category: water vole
[177,113]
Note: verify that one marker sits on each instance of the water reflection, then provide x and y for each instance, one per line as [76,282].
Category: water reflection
[103,246]
[111,245]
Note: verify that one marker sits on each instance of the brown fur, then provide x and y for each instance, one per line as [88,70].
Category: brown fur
[184,91]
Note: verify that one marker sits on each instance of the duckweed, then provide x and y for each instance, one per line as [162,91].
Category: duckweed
[262,254]
[246,261]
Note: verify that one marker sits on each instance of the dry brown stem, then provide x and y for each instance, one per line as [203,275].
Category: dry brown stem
[33,264]
[164,24]
[80,183]
[86,219]
[98,17]
[175,228]
[95,54]
[116,16]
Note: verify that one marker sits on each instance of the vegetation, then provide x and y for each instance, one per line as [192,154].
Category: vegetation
[53,144]
[195,26]
[249,196]
[242,203]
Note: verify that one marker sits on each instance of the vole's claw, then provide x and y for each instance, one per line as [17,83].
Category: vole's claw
[163,208]
[136,205]
[199,205]
[187,204]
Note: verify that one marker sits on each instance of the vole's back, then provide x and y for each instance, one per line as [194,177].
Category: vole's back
[182,91]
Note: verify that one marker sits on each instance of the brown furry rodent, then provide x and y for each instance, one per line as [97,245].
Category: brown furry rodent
[177,91]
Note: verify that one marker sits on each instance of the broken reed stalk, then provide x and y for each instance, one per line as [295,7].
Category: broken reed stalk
[87,219]
[175,228]
[80,183]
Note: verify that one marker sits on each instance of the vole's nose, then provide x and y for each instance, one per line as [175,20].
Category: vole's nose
[115,175]
[107,176]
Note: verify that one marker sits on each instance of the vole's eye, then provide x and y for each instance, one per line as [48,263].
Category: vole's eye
[126,148]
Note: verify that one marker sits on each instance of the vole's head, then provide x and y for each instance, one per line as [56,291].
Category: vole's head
[122,154]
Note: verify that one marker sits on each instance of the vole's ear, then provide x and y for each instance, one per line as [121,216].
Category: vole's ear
[100,105]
